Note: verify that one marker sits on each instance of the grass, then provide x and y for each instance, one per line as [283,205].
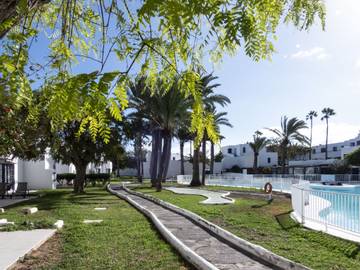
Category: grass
[270,226]
[125,239]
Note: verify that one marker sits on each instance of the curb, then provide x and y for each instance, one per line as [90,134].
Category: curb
[240,244]
[194,259]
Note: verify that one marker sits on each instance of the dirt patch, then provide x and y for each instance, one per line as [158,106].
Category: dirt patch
[46,255]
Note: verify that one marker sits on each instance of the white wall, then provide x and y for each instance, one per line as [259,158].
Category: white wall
[36,176]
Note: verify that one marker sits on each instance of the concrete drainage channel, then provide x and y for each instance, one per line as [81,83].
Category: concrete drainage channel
[202,243]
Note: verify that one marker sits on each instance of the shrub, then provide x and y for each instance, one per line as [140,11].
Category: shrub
[235,169]
[101,177]
[68,177]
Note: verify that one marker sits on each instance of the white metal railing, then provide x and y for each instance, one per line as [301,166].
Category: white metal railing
[330,209]
[279,183]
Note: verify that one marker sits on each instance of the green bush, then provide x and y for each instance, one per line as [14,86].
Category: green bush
[98,177]
[68,177]
[235,169]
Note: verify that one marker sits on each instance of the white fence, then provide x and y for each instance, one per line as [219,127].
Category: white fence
[334,212]
[279,183]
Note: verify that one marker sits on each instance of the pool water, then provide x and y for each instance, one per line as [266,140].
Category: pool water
[344,210]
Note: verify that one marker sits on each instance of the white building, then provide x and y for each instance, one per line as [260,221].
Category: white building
[41,174]
[243,156]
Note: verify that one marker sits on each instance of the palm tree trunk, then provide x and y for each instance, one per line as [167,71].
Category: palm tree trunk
[195,175]
[182,168]
[203,161]
[311,130]
[155,144]
[327,136]
[212,158]
[284,158]
[256,155]
[159,161]
[167,156]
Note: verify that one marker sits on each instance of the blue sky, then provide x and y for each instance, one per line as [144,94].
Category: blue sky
[311,70]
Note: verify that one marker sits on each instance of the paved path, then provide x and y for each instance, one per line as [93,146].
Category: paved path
[198,239]
[14,245]
[212,196]
[7,202]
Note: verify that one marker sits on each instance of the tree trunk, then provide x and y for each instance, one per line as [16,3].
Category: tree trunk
[195,175]
[212,158]
[256,155]
[182,168]
[79,178]
[167,156]
[311,129]
[203,161]
[154,155]
[284,158]
[138,152]
[327,136]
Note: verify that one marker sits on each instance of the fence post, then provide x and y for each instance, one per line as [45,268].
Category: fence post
[302,207]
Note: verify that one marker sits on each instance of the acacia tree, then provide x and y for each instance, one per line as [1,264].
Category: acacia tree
[160,38]
[327,113]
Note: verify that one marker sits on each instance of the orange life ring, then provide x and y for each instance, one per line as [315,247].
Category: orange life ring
[268,187]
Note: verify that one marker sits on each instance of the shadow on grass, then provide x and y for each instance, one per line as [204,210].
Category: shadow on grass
[285,221]
[265,203]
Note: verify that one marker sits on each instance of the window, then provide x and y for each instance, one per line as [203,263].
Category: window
[352,144]
[357,142]
[269,160]
[314,151]
[334,148]
[173,158]
[229,151]
[323,150]
[244,150]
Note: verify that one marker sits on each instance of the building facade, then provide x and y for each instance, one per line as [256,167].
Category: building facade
[243,156]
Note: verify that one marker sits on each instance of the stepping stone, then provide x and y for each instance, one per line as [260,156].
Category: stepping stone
[29,210]
[100,208]
[89,221]
[4,222]
[2,210]
[59,224]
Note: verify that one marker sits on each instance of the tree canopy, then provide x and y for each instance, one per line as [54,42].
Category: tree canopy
[159,39]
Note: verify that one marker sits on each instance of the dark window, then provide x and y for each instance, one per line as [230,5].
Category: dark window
[352,144]
[334,148]
[358,143]
[229,150]
[244,149]
[314,151]
[323,150]
[269,160]
[173,158]
[342,146]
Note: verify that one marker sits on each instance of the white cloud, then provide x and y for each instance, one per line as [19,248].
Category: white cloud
[317,53]
[297,46]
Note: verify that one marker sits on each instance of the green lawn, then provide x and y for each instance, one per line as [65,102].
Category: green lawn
[125,240]
[270,226]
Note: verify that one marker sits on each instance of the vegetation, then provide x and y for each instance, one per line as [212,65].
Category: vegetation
[269,225]
[259,142]
[310,116]
[125,239]
[327,113]
[353,158]
[153,38]
[288,135]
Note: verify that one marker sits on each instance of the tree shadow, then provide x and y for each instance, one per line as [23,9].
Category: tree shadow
[265,203]
[285,221]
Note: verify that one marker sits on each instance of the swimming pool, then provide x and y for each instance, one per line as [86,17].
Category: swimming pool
[341,205]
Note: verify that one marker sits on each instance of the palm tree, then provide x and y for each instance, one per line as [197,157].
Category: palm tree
[289,134]
[327,112]
[184,135]
[258,143]
[310,116]
[220,120]
[210,100]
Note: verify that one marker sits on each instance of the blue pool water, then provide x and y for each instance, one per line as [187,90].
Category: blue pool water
[344,211]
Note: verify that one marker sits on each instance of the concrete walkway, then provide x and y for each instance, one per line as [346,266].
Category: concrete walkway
[14,245]
[213,197]
[199,240]
[7,202]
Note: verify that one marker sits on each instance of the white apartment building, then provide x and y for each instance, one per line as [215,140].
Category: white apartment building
[243,156]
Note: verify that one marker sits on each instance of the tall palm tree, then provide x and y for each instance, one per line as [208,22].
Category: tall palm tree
[184,135]
[288,135]
[220,120]
[310,116]
[327,113]
[210,100]
[258,143]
